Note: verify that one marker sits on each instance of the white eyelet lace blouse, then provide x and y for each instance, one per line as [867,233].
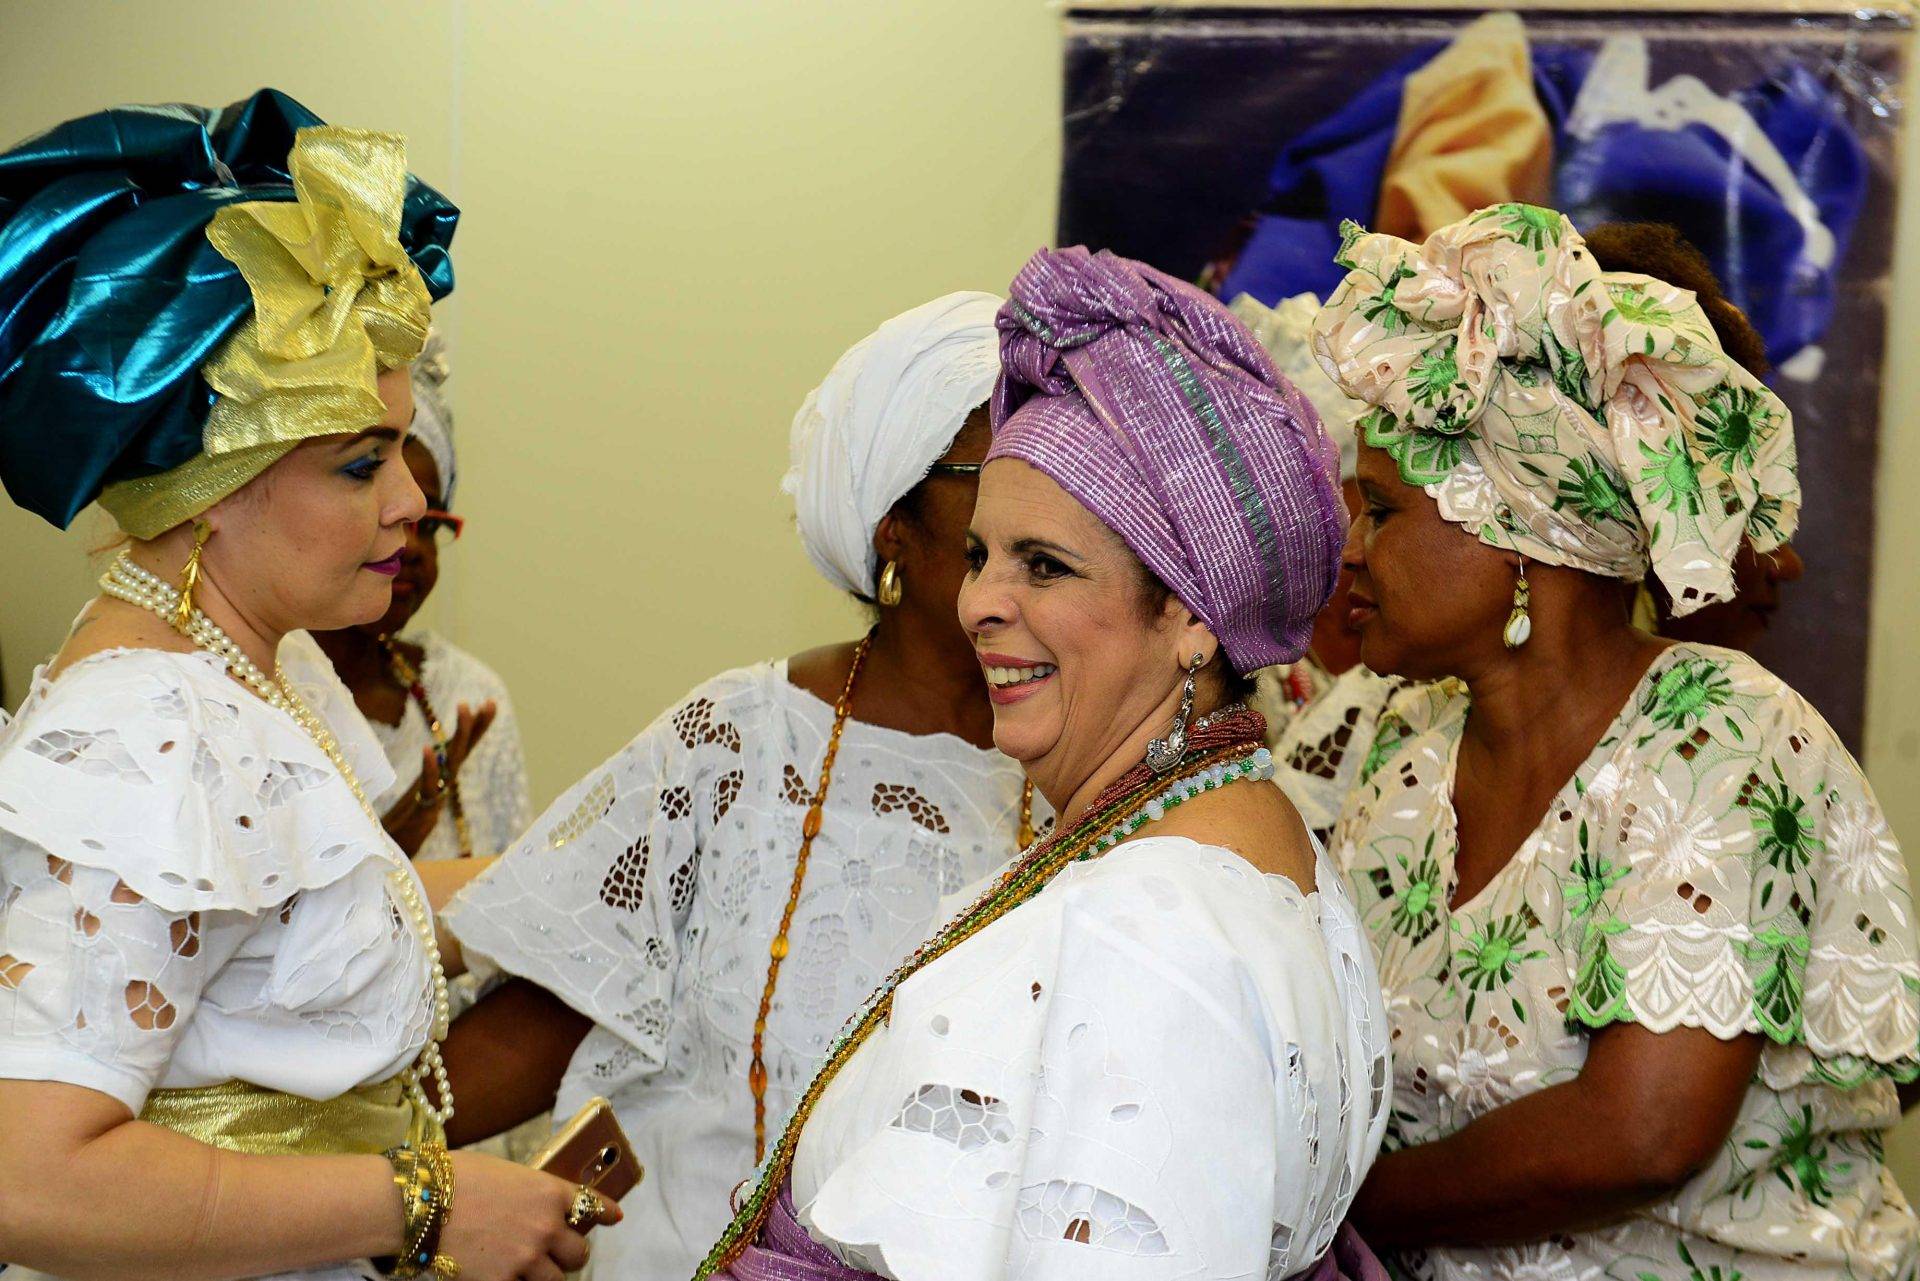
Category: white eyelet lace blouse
[647,895]
[190,893]
[1165,1065]
[1320,750]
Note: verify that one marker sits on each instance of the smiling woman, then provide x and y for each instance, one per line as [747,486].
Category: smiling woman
[1082,681]
[219,979]
[972,1118]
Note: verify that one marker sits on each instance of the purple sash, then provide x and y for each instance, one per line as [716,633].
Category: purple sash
[1347,1259]
[785,1252]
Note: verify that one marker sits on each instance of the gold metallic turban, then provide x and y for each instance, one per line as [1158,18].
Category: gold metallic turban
[336,300]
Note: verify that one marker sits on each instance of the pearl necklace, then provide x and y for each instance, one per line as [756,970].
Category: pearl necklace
[128,582]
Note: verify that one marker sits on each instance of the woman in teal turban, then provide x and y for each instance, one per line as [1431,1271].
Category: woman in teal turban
[220,987]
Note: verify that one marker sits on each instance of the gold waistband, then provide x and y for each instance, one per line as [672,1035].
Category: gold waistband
[252,1118]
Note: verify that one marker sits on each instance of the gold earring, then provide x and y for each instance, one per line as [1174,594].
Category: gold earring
[892,588]
[1519,622]
[190,576]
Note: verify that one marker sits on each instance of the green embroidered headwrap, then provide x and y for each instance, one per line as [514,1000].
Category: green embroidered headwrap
[1575,416]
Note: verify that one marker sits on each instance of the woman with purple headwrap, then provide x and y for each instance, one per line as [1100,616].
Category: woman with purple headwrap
[1153,1046]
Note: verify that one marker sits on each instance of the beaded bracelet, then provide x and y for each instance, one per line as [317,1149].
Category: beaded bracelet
[424,1176]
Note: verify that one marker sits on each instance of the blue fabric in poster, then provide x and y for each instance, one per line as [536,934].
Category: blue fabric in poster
[1689,177]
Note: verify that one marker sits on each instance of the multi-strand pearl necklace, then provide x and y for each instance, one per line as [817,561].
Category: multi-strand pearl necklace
[128,582]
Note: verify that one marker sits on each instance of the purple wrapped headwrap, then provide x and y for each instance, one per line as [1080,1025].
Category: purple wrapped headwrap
[1162,415]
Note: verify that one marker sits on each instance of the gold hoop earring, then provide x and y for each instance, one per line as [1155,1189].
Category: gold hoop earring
[892,586]
[1519,622]
[190,576]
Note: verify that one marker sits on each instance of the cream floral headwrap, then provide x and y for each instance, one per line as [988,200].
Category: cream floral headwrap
[336,300]
[1286,331]
[1577,417]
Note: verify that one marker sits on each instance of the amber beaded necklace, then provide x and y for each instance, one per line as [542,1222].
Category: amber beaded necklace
[810,828]
[409,678]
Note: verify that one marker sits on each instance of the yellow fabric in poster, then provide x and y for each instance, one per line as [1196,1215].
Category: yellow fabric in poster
[1472,133]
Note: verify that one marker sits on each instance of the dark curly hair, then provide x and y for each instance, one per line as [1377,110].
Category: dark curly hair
[1658,250]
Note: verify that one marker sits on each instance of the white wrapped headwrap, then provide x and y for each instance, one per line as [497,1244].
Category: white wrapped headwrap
[885,414]
[1286,331]
[432,411]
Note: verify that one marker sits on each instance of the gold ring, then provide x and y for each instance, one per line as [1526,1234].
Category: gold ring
[585,1209]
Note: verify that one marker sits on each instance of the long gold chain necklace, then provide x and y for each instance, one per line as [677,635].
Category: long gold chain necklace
[1222,748]
[410,678]
[128,582]
[810,828]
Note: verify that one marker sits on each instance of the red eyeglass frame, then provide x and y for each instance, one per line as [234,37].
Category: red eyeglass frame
[451,521]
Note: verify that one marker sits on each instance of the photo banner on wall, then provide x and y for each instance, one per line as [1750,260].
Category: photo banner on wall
[1227,145]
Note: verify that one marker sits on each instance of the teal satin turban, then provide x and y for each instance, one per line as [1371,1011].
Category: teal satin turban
[112,297]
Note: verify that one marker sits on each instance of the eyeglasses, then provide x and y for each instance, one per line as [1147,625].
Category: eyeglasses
[955,469]
[441,527]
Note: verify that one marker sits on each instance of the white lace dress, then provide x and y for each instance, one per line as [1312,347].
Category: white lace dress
[646,898]
[1165,1065]
[190,894]
[493,782]
[1323,750]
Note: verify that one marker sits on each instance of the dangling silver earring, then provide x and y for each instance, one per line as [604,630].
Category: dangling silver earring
[1165,753]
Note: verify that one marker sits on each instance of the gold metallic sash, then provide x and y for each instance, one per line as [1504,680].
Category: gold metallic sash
[250,1118]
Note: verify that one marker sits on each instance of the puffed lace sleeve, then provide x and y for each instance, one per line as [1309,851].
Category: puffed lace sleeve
[592,901]
[160,768]
[1162,1072]
[1741,878]
[96,982]
[151,814]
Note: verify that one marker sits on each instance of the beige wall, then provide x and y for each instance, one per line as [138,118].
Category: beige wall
[677,215]
[1893,668]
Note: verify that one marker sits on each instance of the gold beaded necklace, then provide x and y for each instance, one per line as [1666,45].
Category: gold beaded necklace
[810,828]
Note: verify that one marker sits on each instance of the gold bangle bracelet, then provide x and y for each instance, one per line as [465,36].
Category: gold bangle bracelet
[424,1177]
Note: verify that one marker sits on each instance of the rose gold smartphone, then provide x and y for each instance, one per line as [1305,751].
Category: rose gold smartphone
[593,1150]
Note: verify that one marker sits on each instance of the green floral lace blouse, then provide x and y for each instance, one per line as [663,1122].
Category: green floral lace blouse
[1719,862]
